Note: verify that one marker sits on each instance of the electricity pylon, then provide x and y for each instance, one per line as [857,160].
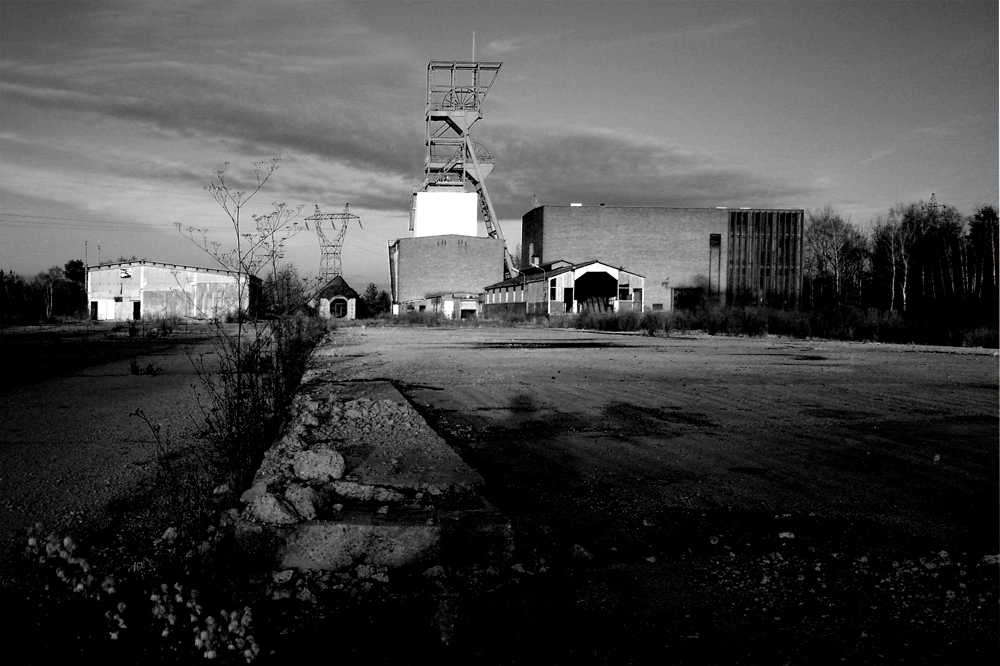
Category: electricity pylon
[330,266]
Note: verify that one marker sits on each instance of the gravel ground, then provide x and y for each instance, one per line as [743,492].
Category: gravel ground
[70,445]
[699,500]
[681,500]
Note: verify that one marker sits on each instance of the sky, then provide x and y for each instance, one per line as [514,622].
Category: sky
[114,116]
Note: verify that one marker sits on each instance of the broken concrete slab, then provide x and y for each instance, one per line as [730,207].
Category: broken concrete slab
[409,497]
[400,537]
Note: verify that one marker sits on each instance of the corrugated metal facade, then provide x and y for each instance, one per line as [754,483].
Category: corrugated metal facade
[765,257]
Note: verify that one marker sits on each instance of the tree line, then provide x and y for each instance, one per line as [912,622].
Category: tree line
[60,291]
[927,263]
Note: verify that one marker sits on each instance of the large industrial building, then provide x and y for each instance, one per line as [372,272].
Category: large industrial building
[150,290]
[445,265]
[739,256]
[445,273]
[681,256]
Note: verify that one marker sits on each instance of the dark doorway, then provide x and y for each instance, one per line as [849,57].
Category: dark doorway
[596,291]
[339,307]
[93,311]
[136,313]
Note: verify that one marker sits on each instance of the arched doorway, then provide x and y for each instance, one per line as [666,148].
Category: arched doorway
[338,307]
[596,291]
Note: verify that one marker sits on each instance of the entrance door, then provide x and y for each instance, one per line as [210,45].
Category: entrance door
[93,311]
[568,299]
[136,314]
[595,291]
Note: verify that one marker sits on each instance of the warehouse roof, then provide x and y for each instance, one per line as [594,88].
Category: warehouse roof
[545,271]
[145,262]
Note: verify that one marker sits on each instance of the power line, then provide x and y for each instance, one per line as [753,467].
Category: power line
[114,187]
[966,182]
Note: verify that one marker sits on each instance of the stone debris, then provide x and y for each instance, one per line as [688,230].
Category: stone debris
[303,499]
[318,466]
[258,490]
[269,509]
[281,577]
[363,493]
[358,475]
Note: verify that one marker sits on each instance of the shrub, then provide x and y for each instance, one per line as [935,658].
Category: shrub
[655,322]
[150,369]
[981,337]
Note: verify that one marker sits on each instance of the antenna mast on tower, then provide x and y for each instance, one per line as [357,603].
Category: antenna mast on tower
[329,265]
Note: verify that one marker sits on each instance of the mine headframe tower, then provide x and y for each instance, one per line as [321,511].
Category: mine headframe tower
[455,94]
[330,266]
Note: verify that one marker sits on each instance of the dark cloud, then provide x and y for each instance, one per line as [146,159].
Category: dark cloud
[569,165]
[340,96]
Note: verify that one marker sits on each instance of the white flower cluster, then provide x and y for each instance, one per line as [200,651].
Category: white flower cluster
[59,554]
[172,608]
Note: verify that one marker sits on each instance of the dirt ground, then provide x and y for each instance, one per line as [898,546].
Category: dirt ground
[719,499]
[688,499]
[69,445]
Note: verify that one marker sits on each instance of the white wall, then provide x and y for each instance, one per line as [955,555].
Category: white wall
[440,213]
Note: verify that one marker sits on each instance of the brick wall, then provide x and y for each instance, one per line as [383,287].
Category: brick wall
[662,244]
[449,264]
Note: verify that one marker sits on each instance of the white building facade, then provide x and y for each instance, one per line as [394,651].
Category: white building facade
[135,290]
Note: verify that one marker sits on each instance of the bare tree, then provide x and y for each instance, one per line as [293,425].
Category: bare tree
[835,252]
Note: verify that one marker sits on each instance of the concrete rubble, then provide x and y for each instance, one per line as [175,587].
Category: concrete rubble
[359,477]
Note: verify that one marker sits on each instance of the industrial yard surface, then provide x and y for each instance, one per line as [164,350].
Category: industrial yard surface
[683,499]
[698,498]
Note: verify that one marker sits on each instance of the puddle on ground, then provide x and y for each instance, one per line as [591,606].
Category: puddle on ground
[545,345]
[648,415]
[842,414]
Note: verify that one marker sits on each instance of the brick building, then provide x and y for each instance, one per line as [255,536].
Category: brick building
[336,299]
[685,254]
[445,273]
[150,289]
[563,288]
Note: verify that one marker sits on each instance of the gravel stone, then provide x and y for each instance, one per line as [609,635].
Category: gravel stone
[318,466]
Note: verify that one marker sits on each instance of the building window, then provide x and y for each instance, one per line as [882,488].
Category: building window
[715,240]
[423,308]
[623,292]
[552,289]
[657,306]
[118,299]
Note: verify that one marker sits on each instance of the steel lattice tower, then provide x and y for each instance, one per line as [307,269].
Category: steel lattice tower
[330,266]
[455,94]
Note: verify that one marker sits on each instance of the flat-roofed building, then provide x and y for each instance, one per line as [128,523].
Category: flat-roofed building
[151,289]
[738,256]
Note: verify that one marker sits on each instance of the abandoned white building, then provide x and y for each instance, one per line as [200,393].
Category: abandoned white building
[564,288]
[150,290]
[336,299]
